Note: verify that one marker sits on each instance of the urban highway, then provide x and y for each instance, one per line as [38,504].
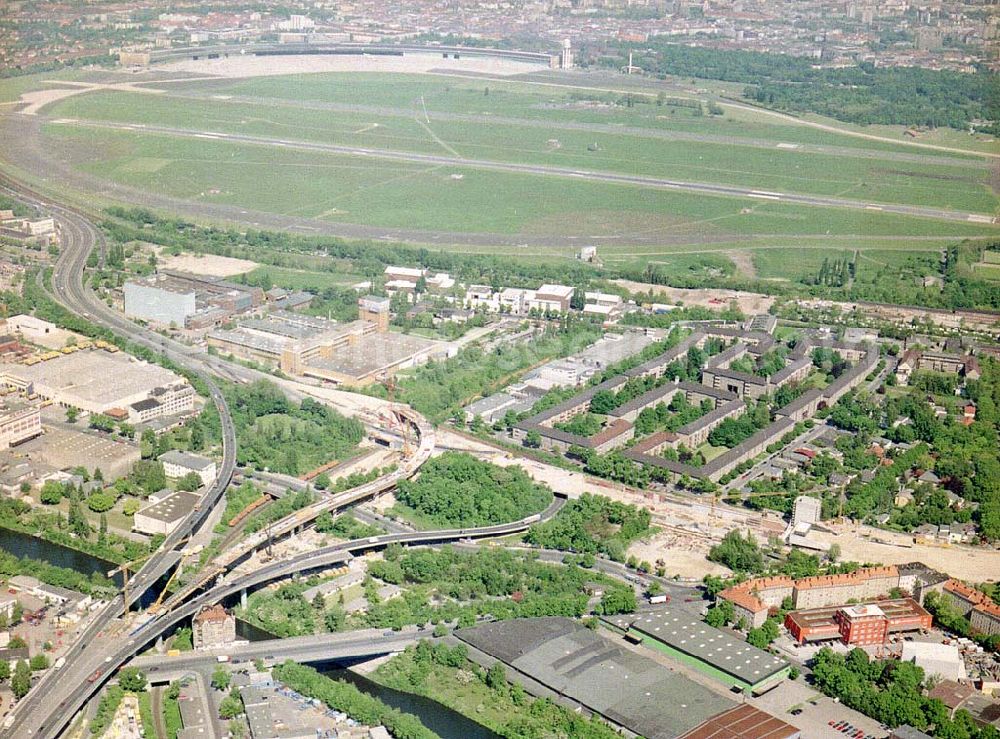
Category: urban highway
[78,238]
[703,188]
[52,710]
[105,645]
[303,649]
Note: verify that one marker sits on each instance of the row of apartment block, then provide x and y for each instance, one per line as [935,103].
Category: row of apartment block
[753,599]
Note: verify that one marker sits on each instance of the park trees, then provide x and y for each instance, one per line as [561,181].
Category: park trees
[20,681]
[456,489]
[132,679]
[220,678]
[720,614]
[592,524]
[738,553]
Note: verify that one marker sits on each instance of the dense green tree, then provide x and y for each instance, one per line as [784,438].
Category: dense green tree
[221,678]
[456,489]
[20,681]
[618,600]
[592,523]
[132,679]
[720,614]
[190,482]
[738,553]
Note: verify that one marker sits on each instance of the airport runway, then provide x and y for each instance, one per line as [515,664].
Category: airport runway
[971,161]
[22,145]
[703,188]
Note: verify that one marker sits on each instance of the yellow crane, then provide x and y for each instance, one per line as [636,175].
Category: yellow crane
[125,568]
[177,570]
[130,567]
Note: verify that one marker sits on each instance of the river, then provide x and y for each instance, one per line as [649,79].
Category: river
[435,716]
[26,545]
[438,718]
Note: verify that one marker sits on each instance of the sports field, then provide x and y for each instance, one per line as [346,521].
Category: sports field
[447,155]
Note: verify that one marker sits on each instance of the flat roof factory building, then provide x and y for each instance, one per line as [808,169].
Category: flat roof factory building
[165,512]
[186,300]
[864,624]
[580,668]
[712,651]
[354,353]
[97,381]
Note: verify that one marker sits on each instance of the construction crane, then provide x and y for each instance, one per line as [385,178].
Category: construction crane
[390,390]
[125,568]
[159,599]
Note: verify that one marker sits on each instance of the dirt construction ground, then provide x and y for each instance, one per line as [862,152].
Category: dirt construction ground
[749,303]
[208,265]
[964,563]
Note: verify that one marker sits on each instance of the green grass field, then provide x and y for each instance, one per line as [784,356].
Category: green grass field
[410,195]
[532,120]
[860,177]
[542,96]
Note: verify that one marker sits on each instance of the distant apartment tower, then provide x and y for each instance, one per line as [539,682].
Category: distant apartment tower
[213,627]
[375,309]
[566,55]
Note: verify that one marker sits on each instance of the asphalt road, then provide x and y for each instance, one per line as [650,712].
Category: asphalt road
[46,712]
[702,188]
[52,693]
[304,649]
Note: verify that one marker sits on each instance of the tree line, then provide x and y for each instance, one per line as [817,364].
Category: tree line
[863,93]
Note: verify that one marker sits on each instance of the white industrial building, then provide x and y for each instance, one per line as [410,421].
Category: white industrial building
[943,660]
[177,464]
[97,381]
[164,512]
[157,299]
[19,423]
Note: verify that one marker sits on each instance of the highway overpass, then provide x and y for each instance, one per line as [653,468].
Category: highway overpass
[303,649]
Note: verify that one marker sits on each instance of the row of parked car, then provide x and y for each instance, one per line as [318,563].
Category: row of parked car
[849,730]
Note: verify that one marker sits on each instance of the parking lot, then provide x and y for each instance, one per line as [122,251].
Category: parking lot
[817,710]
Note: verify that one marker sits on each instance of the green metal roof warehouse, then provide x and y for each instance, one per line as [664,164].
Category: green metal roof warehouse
[712,651]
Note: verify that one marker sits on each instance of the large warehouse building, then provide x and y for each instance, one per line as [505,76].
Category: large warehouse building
[186,300]
[712,651]
[97,381]
[584,669]
[354,353]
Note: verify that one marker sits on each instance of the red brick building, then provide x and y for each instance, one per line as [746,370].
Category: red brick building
[861,625]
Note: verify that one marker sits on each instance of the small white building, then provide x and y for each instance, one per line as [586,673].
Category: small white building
[943,660]
[515,300]
[165,512]
[482,296]
[806,510]
[33,586]
[177,464]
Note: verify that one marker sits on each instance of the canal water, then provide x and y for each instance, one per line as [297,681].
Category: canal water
[438,718]
[435,716]
[25,545]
